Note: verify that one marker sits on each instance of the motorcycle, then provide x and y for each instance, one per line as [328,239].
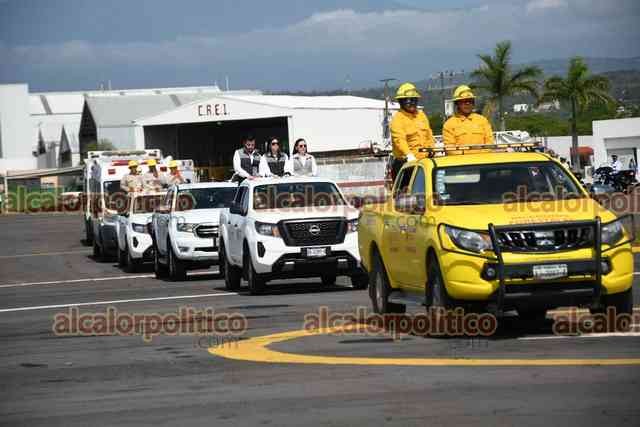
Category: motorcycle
[605,180]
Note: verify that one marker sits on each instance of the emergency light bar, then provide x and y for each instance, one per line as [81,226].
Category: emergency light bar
[494,148]
[155,153]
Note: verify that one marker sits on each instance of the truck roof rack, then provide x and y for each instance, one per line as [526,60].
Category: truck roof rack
[492,148]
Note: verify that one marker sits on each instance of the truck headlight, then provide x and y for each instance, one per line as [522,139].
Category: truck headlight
[267,229]
[470,240]
[612,232]
[185,227]
[352,226]
[139,228]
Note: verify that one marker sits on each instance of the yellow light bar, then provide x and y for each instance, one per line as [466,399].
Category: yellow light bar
[495,148]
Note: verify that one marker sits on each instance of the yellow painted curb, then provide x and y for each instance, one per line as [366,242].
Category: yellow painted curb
[255,350]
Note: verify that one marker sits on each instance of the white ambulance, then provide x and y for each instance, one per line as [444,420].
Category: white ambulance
[103,197]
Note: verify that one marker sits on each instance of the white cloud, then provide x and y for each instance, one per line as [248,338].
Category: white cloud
[541,5]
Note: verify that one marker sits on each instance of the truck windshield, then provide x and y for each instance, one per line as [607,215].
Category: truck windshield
[503,183]
[205,198]
[293,195]
[146,204]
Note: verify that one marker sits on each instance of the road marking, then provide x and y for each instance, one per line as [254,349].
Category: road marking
[255,350]
[64,282]
[98,279]
[46,254]
[593,335]
[43,307]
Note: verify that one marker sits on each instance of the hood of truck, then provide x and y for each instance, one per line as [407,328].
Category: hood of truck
[198,216]
[140,218]
[478,217]
[273,216]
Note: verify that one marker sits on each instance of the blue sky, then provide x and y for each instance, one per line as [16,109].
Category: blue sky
[292,44]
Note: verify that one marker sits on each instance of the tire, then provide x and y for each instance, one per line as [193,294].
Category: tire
[436,295]
[122,259]
[98,252]
[532,315]
[132,264]
[622,302]
[159,269]
[232,274]
[177,271]
[255,282]
[380,289]
[328,280]
[360,281]
[88,235]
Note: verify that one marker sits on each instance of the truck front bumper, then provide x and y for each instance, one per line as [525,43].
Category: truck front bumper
[189,247]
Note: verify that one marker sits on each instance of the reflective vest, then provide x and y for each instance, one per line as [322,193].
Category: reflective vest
[302,169]
[150,182]
[131,183]
[276,163]
[249,162]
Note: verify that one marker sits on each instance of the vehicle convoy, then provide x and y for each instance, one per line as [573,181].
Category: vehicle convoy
[102,175]
[184,227]
[293,227]
[134,241]
[495,231]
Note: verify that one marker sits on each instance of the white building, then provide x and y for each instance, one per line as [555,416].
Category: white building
[620,137]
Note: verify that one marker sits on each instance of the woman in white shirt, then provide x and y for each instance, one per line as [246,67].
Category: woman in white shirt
[274,163]
[302,163]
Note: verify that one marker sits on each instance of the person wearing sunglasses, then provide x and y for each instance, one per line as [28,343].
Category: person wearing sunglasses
[274,162]
[410,129]
[246,160]
[466,127]
[302,163]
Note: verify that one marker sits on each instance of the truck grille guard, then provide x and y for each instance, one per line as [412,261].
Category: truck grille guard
[585,234]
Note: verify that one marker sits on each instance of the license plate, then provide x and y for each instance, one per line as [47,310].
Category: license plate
[315,252]
[550,271]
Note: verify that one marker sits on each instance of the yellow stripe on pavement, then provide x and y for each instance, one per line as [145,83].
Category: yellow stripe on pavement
[255,350]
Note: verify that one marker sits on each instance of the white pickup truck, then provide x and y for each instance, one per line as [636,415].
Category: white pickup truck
[134,241]
[185,227]
[281,228]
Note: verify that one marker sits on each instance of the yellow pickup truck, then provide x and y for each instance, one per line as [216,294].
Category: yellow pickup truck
[495,229]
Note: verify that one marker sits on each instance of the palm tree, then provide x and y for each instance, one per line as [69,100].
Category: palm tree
[495,76]
[580,89]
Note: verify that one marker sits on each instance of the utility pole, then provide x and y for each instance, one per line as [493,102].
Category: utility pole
[385,120]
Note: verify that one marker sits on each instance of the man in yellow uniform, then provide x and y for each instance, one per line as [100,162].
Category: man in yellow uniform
[132,181]
[466,127]
[174,176]
[410,130]
[152,181]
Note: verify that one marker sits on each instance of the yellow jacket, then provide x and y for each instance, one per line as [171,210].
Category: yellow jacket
[409,133]
[472,130]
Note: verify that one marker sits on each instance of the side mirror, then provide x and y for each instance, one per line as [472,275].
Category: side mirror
[235,208]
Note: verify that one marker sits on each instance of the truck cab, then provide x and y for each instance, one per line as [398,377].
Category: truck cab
[505,229]
[134,241]
[184,227]
[292,227]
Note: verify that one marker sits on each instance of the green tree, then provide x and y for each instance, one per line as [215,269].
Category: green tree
[580,90]
[496,77]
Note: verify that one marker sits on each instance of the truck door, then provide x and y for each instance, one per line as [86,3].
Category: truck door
[237,218]
[413,249]
[161,221]
[395,228]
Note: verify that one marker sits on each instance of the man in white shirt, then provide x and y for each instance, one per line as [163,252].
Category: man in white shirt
[615,163]
[246,160]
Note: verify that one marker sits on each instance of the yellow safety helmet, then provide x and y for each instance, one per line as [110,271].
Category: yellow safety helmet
[151,162]
[463,92]
[173,164]
[132,164]
[407,90]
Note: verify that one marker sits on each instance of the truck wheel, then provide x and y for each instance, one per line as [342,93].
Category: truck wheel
[328,279]
[360,281]
[232,274]
[88,237]
[622,302]
[159,269]
[122,258]
[98,252]
[436,292]
[177,271]
[132,263]
[256,283]
[380,289]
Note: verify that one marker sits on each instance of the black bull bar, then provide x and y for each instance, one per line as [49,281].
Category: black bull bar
[592,266]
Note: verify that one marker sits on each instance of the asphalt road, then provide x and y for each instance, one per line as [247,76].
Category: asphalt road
[174,380]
